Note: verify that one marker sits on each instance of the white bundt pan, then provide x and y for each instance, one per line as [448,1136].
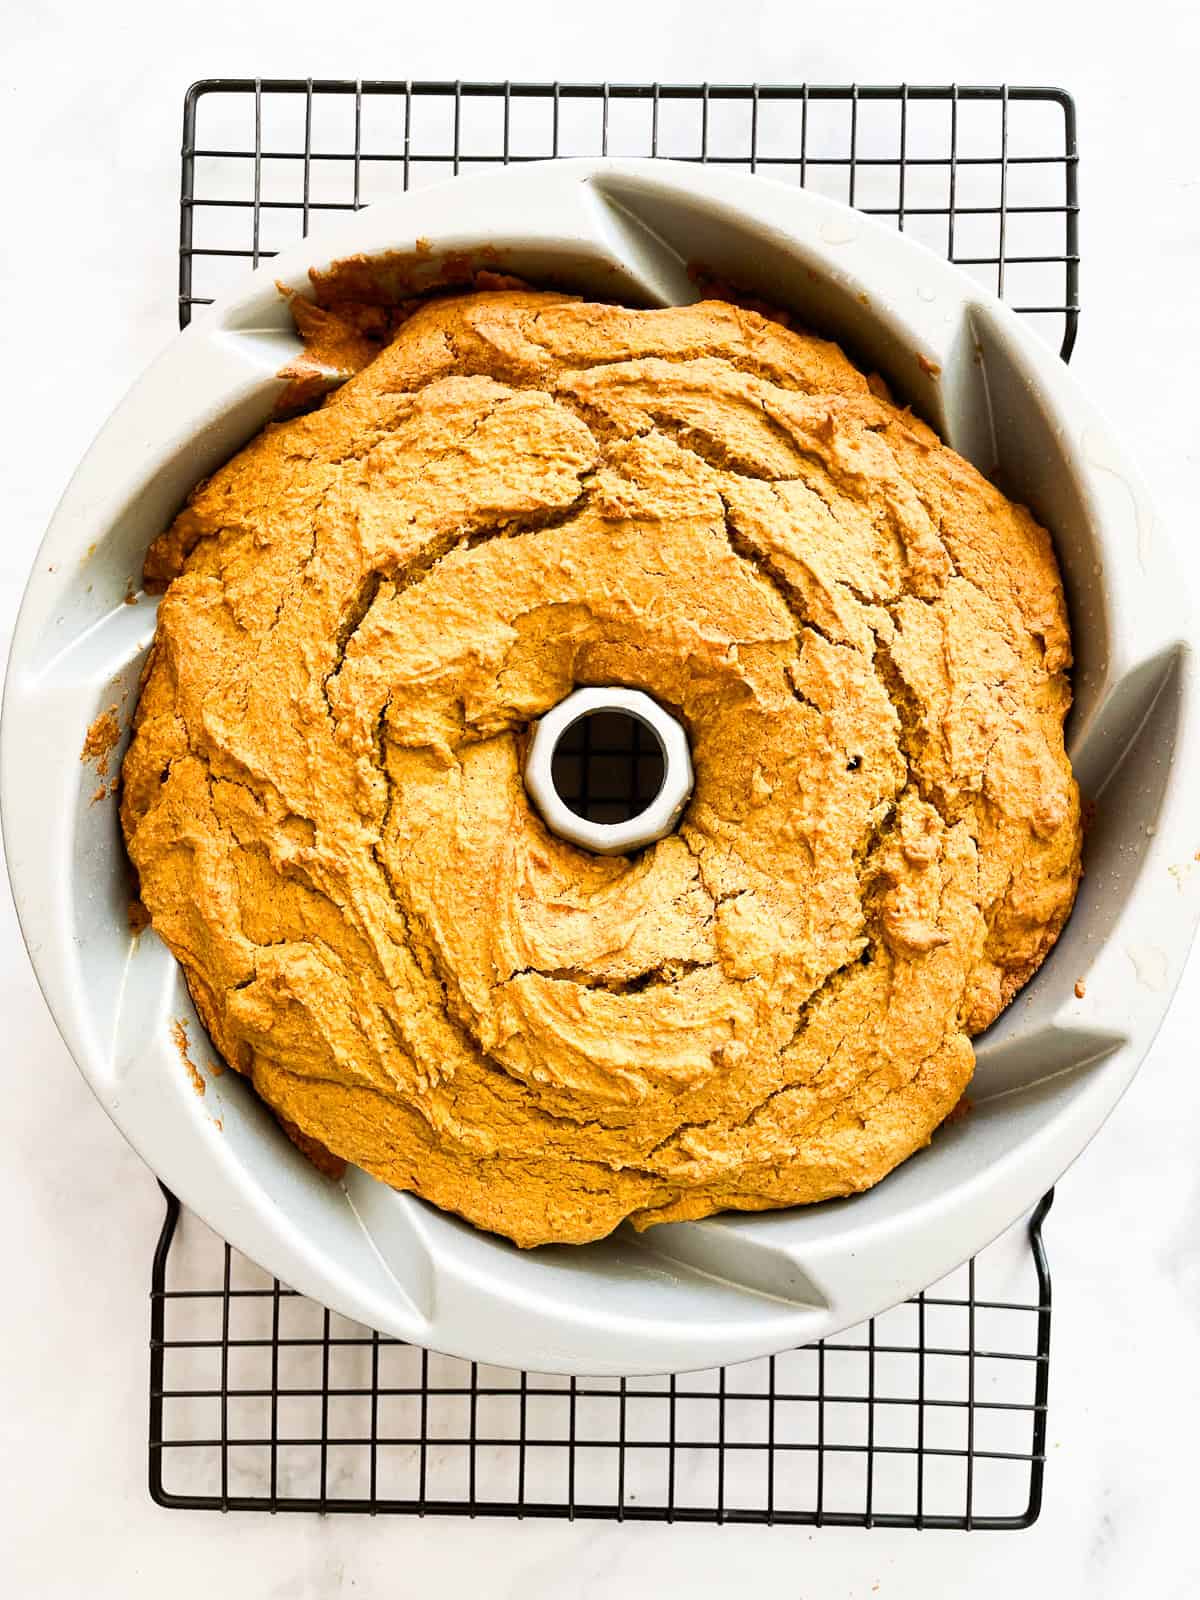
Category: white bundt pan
[686,1295]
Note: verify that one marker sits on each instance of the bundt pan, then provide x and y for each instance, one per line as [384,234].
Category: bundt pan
[683,1295]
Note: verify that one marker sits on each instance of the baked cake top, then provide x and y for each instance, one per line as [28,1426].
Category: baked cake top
[370,605]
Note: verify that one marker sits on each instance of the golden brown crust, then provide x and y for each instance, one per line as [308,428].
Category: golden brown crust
[326,1163]
[370,604]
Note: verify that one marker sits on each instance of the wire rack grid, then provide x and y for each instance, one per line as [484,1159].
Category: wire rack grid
[931,1415]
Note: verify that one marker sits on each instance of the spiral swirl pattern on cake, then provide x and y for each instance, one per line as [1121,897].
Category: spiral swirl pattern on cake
[368,608]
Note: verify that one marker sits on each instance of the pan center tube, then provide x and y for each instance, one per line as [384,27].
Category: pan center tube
[609,770]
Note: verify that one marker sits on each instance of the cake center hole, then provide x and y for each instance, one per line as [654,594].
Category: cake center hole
[607,766]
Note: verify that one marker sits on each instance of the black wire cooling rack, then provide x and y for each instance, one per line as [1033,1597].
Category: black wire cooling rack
[930,1415]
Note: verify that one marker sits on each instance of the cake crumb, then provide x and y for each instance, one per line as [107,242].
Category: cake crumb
[100,794]
[878,386]
[423,247]
[180,1034]
[102,738]
[1080,989]
[138,917]
[131,598]
[930,368]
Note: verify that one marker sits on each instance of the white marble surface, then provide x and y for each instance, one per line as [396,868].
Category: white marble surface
[89,117]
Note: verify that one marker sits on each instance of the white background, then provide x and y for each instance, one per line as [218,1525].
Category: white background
[90,102]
